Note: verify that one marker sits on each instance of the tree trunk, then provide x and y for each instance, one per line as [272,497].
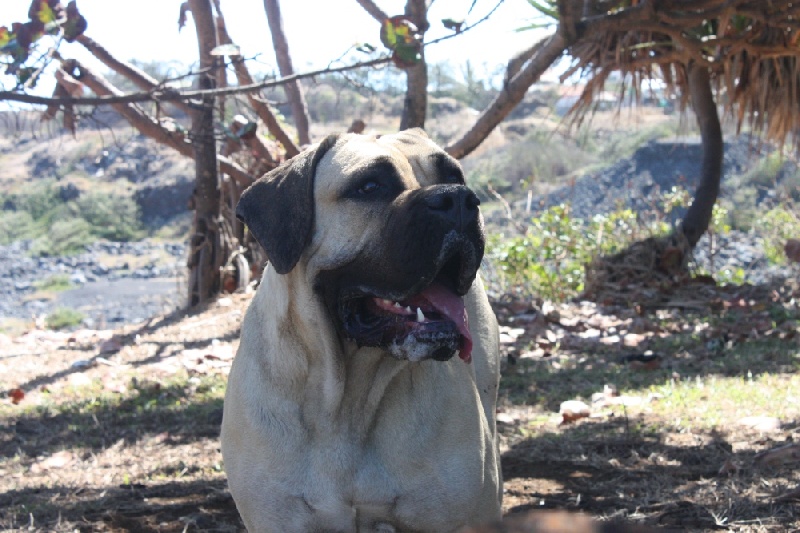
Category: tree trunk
[416,102]
[293,90]
[698,217]
[205,254]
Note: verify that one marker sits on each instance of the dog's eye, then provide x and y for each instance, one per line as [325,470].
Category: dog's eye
[368,187]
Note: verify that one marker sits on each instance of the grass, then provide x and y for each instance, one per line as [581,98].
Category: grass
[54,283]
[84,415]
[49,288]
[64,317]
[716,367]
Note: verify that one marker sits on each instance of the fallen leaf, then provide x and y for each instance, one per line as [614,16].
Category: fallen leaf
[16,395]
[633,339]
[505,419]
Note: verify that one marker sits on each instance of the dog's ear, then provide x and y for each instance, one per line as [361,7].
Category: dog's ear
[278,208]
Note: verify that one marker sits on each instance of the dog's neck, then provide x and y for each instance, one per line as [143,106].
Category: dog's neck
[340,380]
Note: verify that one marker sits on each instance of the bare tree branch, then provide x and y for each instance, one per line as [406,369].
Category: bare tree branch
[260,107]
[149,126]
[167,94]
[545,54]
[467,28]
[293,89]
[372,8]
[136,75]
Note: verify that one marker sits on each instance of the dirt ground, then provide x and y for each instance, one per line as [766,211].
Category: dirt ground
[692,411]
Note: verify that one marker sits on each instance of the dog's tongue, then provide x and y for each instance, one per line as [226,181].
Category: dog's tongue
[452,306]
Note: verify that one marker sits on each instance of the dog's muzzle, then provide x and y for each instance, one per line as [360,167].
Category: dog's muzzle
[411,301]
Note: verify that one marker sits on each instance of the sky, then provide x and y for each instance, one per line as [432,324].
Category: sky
[318,31]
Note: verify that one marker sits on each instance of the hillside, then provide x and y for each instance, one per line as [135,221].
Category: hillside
[60,194]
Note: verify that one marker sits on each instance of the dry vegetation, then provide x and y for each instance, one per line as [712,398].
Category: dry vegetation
[117,431]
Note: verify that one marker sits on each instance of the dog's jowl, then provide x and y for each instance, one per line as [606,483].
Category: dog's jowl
[362,397]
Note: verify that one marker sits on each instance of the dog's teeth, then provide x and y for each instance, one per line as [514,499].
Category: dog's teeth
[420,315]
[397,305]
[386,302]
[408,309]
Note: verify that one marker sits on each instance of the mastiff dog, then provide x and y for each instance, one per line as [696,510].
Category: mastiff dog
[362,397]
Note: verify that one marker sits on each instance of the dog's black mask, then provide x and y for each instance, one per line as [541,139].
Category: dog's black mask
[404,293]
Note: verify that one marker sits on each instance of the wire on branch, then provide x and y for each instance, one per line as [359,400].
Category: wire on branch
[166,94]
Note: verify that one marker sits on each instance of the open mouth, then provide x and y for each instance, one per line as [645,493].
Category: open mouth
[430,324]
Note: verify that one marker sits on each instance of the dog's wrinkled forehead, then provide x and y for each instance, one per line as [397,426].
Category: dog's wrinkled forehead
[418,161]
[430,164]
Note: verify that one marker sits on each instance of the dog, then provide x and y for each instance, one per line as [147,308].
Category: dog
[362,396]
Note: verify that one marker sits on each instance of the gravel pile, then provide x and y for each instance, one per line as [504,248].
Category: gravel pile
[122,293]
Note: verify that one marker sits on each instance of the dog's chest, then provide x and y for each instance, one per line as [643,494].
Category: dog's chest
[379,489]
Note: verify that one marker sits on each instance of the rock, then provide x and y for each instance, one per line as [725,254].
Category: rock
[69,192]
[764,424]
[573,410]
[792,249]
[78,278]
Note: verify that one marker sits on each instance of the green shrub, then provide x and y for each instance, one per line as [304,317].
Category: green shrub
[64,238]
[110,216]
[777,225]
[17,225]
[55,283]
[60,227]
[541,158]
[765,172]
[64,317]
[38,200]
[548,261]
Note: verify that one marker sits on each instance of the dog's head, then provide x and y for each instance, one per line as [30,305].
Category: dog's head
[389,233]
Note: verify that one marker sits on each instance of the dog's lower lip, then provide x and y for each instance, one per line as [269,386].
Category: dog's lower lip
[436,316]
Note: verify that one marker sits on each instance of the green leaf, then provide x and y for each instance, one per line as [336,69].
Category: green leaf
[5,36]
[545,7]
[45,13]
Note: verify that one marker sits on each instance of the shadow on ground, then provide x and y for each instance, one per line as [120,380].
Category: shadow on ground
[166,507]
[667,480]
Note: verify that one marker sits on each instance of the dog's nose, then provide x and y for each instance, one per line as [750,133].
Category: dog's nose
[453,202]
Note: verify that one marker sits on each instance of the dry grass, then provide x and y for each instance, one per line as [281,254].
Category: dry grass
[128,441]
